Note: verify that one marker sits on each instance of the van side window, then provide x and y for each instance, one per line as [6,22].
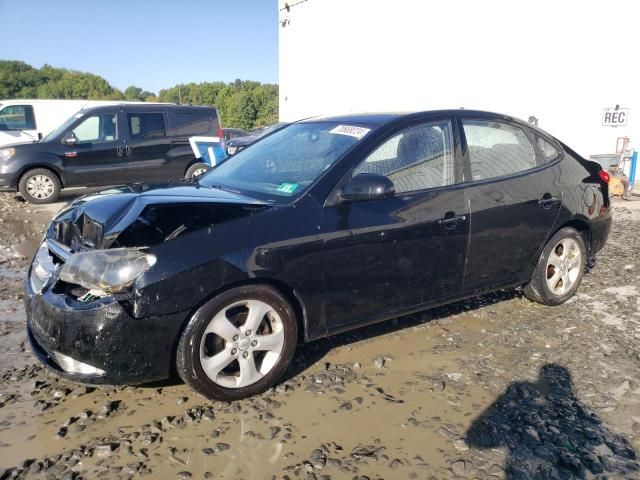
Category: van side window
[17,117]
[146,125]
[190,124]
[97,129]
[497,149]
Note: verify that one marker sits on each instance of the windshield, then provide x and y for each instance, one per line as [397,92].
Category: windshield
[55,133]
[272,128]
[287,162]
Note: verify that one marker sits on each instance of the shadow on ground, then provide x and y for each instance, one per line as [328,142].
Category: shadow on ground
[550,434]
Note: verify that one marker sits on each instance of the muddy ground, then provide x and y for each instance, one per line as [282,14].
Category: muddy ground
[495,387]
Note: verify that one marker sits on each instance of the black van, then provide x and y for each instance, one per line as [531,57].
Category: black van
[109,145]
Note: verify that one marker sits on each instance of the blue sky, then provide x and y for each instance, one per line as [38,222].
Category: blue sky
[150,44]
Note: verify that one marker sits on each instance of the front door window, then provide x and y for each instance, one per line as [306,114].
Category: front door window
[416,159]
[17,117]
[97,129]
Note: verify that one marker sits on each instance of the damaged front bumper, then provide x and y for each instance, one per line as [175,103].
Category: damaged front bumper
[99,341]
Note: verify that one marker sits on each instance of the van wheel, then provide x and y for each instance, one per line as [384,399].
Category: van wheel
[559,270]
[196,170]
[238,344]
[39,186]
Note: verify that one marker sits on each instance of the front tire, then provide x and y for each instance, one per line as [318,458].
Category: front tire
[39,186]
[196,170]
[559,270]
[238,344]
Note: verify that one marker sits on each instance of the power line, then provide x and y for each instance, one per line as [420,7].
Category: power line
[288,7]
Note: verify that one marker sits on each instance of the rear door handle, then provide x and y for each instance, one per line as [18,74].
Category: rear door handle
[120,150]
[128,150]
[547,201]
[451,220]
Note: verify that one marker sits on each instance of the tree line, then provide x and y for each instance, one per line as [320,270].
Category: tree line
[241,103]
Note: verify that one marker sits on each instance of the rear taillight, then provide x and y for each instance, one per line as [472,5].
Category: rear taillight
[604,176]
[220,133]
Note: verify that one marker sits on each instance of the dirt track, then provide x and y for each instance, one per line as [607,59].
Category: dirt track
[495,387]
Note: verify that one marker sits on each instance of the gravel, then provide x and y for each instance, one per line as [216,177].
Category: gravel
[493,387]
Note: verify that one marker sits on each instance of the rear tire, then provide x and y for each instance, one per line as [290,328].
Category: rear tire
[560,268]
[238,344]
[196,170]
[39,186]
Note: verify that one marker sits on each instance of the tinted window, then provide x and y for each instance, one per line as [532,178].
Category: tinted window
[190,124]
[549,151]
[17,117]
[146,125]
[418,158]
[96,129]
[497,149]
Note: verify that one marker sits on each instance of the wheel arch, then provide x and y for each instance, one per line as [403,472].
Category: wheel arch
[281,287]
[583,226]
[191,163]
[42,165]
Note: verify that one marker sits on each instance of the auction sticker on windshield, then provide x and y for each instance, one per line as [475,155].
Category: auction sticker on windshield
[287,187]
[357,132]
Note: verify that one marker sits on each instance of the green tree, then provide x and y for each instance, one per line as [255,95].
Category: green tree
[136,93]
[241,103]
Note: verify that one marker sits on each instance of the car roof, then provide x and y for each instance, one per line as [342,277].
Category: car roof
[142,106]
[381,118]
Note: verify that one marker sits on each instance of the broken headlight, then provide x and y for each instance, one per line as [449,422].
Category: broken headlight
[109,271]
[41,268]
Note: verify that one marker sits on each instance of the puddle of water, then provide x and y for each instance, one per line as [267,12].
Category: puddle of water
[29,234]
[408,426]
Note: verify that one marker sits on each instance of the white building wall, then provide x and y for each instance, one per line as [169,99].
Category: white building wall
[562,61]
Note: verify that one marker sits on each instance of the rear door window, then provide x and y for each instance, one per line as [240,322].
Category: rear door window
[190,124]
[497,149]
[146,125]
[17,117]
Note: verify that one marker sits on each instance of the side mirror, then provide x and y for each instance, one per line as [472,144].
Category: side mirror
[367,186]
[69,139]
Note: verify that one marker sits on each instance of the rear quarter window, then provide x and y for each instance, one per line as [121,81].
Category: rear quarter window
[548,150]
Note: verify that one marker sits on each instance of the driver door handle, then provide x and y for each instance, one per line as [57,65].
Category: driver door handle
[120,150]
[128,150]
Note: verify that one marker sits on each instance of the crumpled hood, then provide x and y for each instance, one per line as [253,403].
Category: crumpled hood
[145,214]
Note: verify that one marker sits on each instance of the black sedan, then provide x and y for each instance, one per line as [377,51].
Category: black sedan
[323,226]
[239,143]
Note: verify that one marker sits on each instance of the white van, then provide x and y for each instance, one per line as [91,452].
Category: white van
[25,120]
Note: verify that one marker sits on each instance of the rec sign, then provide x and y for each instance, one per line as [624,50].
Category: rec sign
[615,117]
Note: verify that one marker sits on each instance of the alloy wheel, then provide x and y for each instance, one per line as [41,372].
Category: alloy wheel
[241,343]
[563,266]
